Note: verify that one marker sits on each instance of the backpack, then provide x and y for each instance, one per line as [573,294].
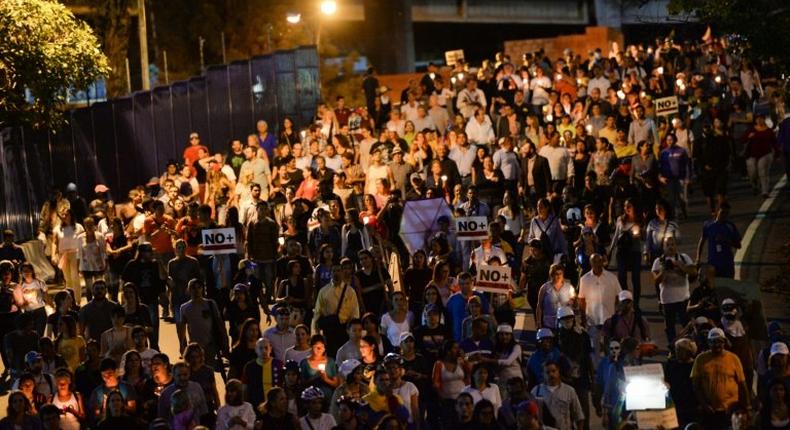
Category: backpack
[545,241]
[639,322]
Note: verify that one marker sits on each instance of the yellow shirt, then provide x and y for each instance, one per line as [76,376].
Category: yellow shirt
[624,151]
[327,300]
[70,350]
[719,376]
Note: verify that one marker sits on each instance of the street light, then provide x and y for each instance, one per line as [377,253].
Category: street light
[293,18]
[328,7]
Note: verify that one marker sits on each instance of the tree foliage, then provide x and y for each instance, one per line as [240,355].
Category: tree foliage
[43,49]
[763,23]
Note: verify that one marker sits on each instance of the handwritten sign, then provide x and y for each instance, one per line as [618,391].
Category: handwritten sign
[650,420]
[645,388]
[667,106]
[471,228]
[494,279]
[218,241]
[452,57]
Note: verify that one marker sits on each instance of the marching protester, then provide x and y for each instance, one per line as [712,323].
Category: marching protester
[322,323]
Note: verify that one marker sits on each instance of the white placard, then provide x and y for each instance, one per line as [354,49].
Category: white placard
[494,279]
[218,241]
[650,420]
[644,387]
[471,228]
[667,106]
[452,57]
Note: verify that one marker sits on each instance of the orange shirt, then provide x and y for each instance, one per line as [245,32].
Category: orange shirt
[719,376]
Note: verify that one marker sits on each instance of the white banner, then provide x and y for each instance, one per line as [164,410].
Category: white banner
[452,57]
[218,241]
[494,279]
[471,228]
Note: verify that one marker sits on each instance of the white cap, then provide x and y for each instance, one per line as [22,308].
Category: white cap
[564,311]
[716,333]
[71,187]
[778,348]
[544,333]
[625,295]
[504,328]
[728,302]
[348,366]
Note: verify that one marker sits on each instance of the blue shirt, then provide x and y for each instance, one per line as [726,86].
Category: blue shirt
[469,345]
[536,361]
[722,238]
[457,311]
[674,163]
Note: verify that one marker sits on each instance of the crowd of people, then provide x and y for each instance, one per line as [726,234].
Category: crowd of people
[583,186]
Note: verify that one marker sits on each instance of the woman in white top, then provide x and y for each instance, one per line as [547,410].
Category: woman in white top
[514,217]
[92,254]
[398,320]
[64,251]
[507,355]
[68,402]
[481,389]
[377,170]
[34,294]
[235,413]
[301,348]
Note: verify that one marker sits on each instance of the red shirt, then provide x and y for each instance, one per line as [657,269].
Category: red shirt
[162,242]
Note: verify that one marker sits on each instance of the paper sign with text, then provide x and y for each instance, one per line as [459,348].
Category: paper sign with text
[452,57]
[667,106]
[471,228]
[494,279]
[218,241]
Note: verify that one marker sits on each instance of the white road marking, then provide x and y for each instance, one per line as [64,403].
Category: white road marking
[755,224]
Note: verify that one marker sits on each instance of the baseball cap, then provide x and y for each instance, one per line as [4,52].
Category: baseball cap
[405,335]
[716,333]
[544,333]
[71,187]
[504,328]
[152,181]
[100,188]
[32,357]
[193,134]
[564,312]
[726,302]
[528,407]
[625,295]
[397,150]
[778,348]
[347,367]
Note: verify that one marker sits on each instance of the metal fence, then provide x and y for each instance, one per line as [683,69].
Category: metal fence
[123,142]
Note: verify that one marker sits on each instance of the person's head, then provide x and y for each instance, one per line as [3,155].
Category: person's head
[49,415]
[528,415]
[263,349]
[479,328]
[181,374]
[282,316]
[63,379]
[480,376]
[464,405]
[196,288]
[557,273]
[685,350]
[717,340]
[723,212]
[552,372]
[566,318]
[313,398]
[625,301]
[317,346]
[670,245]
[99,289]
[195,355]
[109,372]
[545,339]
[597,263]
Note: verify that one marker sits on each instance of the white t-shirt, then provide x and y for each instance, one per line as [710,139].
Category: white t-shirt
[326,422]
[600,295]
[491,393]
[675,287]
[227,412]
[405,392]
[394,329]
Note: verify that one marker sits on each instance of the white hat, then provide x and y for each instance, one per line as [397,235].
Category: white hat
[716,333]
[504,328]
[726,302]
[778,348]
[71,187]
[544,333]
[405,335]
[564,311]
[625,295]
[348,366]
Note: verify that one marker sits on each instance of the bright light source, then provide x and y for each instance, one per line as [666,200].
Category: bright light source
[365,220]
[293,18]
[660,70]
[281,240]
[322,367]
[328,7]
[432,75]
[642,94]
[679,82]
[645,393]
[549,118]
[717,79]
[620,94]
[452,80]
[444,178]
[589,128]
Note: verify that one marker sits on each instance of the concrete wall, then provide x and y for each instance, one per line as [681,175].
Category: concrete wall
[593,37]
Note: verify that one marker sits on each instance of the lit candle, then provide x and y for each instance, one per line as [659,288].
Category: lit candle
[365,220]
[444,178]
[432,75]
[635,230]
[589,128]
[281,240]
[620,94]
[679,82]
[321,367]
[717,79]
[660,70]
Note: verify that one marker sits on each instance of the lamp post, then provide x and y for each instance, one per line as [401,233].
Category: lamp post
[326,7]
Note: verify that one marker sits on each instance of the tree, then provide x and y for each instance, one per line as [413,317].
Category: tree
[763,23]
[44,50]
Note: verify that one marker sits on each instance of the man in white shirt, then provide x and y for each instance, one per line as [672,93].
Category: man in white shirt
[671,272]
[598,291]
[303,160]
[350,349]
[539,86]
[423,121]
[259,169]
[438,115]
[560,161]
[331,158]
[599,81]
[470,99]
[409,110]
[281,335]
[364,148]
[507,161]
[479,130]
[463,154]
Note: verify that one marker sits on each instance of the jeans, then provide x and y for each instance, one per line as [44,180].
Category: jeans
[675,194]
[760,172]
[630,262]
[266,274]
[153,312]
[674,313]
